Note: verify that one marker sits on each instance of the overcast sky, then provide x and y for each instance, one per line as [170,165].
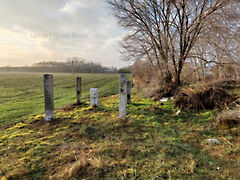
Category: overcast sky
[43,30]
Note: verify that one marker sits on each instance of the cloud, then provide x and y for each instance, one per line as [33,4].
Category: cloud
[54,30]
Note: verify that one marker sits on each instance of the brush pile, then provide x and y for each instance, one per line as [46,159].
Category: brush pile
[224,84]
[164,92]
[227,119]
[203,98]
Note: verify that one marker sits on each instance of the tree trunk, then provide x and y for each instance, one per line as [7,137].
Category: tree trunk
[178,75]
[178,79]
[168,78]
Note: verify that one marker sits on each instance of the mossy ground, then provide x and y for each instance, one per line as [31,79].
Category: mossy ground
[92,143]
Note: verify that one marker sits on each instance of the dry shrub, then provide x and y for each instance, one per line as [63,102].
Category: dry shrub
[154,82]
[228,119]
[224,84]
[203,98]
[146,75]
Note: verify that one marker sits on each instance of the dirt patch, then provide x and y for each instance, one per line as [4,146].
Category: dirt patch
[44,125]
[203,98]
[69,107]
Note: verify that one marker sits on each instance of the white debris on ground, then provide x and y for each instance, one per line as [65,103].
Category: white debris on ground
[213,141]
[164,100]
[178,112]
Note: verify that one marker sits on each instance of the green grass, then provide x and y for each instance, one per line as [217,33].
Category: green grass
[22,93]
[92,143]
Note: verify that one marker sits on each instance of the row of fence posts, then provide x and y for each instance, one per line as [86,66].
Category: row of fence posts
[124,95]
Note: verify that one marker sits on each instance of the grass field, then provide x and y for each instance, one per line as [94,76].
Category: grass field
[93,143]
[22,93]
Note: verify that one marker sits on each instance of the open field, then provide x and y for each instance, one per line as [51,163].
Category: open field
[22,93]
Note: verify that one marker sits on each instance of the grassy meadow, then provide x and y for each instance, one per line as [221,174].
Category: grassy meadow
[22,93]
[93,143]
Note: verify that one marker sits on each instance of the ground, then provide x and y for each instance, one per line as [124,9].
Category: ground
[93,143]
[22,93]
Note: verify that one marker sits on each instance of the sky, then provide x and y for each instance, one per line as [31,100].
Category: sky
[32,31]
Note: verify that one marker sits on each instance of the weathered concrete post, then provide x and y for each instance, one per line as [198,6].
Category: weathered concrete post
[123,96]
[94,97]
[79,90]
[129,88]
[48,94]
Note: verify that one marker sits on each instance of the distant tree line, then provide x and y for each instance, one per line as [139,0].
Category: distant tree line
[124,70]
[71,65]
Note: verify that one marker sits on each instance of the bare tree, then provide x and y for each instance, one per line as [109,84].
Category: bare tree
[217,48]
[164,32]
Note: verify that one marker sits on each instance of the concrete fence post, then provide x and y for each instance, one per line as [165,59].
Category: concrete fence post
[49,99]
[79,90]
[123,96]
[129,88]
[94,97]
